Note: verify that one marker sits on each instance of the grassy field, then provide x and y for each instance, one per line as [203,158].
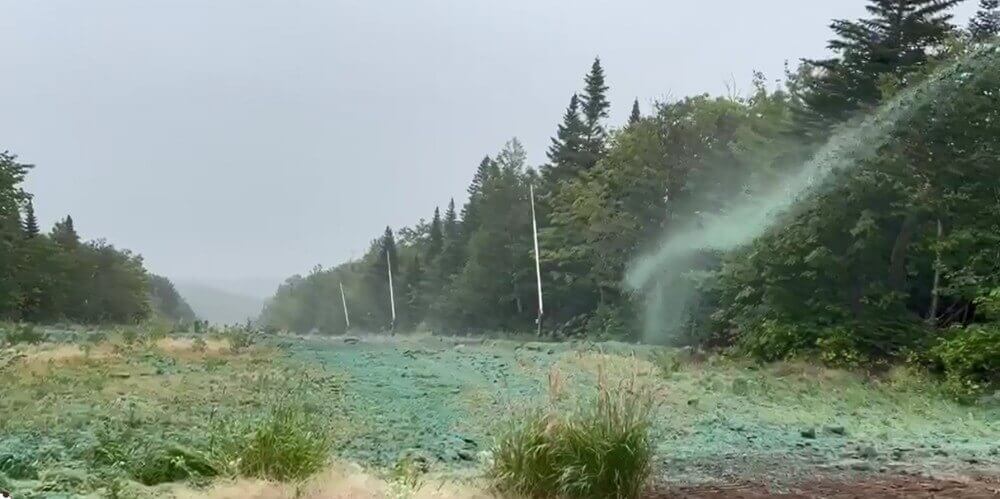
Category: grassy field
[127,413]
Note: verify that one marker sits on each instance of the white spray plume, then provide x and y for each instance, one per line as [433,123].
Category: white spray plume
[660,274]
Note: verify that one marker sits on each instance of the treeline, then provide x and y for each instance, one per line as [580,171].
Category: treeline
[902,245]
[55,276]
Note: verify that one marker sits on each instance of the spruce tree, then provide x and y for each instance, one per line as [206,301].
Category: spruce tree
[64,234]
[595,108]
[635,116]
[450,221]
[986,23]
[485,170]
[451,259]
[894,40]
[435,239]
[30,222]
[567,152]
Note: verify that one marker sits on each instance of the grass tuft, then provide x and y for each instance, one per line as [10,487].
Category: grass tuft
[290,443]
[602,449]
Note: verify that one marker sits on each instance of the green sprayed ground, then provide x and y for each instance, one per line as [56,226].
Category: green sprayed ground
[439,400]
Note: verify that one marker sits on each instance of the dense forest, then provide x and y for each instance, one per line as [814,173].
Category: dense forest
[889,258]
[46,278]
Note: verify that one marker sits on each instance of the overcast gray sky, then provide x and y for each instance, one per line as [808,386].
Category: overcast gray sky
[228,140]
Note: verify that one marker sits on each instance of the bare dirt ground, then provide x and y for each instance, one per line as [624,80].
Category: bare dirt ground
[878,486]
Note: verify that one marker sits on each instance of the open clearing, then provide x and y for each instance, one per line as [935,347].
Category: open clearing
[724,428]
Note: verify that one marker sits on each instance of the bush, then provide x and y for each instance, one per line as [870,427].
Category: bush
[970,360]
[772,340]
[289,444]
[23,333]
[239,339]
[601,450]
[149,462]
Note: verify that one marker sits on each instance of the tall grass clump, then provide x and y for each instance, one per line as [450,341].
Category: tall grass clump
[289,443]
[600,449]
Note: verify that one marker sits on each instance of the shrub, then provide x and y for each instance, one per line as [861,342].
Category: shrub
[772,340]
[290,443]
[23,333]
[970,360]
[239,339]
[147,461]
[602,449]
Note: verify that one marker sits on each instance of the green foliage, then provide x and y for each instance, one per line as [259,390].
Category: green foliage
[53,277]
[970,360]
[289,443]
[14,334]
[986,23]
[147,460]
[239,338]
[896,39]
[601,450]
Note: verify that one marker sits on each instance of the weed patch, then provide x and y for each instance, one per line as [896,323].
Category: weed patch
[601,449]
[289,443]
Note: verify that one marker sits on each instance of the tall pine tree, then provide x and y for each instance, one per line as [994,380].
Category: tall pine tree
[64,234]
[636,115]
[595,108]
[567,154]
[435,236]
[894,40]
[986,23]
[30,222]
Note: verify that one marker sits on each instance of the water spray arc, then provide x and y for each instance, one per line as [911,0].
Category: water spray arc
[660,276]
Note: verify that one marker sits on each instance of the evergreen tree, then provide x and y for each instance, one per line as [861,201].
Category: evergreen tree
[64,234]
[435,239]
[635,116]
[487,169]
[567,154]
[595,108]
[385,252]
[30,222]
[451,259]
[986,23]
[495,284]
[415,296]
[451,228]
[895,40]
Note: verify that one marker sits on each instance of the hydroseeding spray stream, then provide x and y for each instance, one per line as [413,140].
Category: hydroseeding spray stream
[660,275]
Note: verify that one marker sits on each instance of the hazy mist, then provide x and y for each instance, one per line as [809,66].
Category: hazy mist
[248,140]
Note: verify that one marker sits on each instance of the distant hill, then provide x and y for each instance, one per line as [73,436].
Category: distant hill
[220,306]
[167,303]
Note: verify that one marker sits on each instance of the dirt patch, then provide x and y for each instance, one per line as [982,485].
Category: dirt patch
[883,487]
[189,347]
[340,482]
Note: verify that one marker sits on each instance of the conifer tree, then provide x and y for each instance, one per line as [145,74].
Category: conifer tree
[487,169]
[894,40]
[635,116]
[30,222]
[435,239]
[986,23]
[595,108]
[64,234]
[567,152]
[450,261]
[450,221]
